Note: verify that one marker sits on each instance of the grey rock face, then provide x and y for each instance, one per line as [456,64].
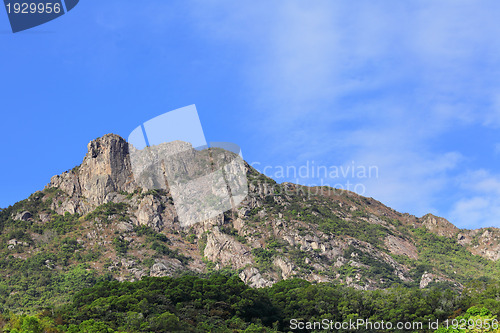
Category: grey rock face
[439,225]
[165,267]
[401,246]
[14,242]
[24,216]
[428,278]
[226,250]
[253,278]
[125,227]
[287,268]
[149,213]
[105,169]
[203,183]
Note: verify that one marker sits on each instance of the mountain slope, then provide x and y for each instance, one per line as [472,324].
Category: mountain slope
[94,223]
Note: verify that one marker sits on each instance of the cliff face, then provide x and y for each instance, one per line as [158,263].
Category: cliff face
[279,231]
[105,171]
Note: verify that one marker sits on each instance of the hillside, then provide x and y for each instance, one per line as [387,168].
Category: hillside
[93,223]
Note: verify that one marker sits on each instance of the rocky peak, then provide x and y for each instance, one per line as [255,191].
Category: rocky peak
[439,225]
[105,169]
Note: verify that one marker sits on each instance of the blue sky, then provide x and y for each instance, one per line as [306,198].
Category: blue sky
[412,88]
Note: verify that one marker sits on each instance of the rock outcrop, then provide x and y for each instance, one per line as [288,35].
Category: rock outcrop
[439,225]
[24,216]
[105,170]
[226,250]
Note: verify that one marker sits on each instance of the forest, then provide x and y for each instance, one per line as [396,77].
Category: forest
[221,302]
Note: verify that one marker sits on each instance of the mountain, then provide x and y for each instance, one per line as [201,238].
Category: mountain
[94,223]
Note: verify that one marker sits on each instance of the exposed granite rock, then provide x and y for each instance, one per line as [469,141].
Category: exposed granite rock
[44,217]
[128,263]
[401,246]
[125,227]
[70,205]
[105,169]
[165,267]
[225,250]
[149,213]
[439,225]
[488,243]
[24,216]
[12,243]
[253,278]
[287,268]
[68,182]
[426,279]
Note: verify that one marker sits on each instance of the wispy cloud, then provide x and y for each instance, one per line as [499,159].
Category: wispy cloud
[380,84]
[479,204]
[497,148]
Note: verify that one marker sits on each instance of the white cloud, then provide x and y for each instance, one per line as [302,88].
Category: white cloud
[476,212]
[410,180]
[479,204]
[481,181]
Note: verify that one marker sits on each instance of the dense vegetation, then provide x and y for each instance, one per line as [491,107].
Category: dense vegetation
[223,303]
[51,275]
